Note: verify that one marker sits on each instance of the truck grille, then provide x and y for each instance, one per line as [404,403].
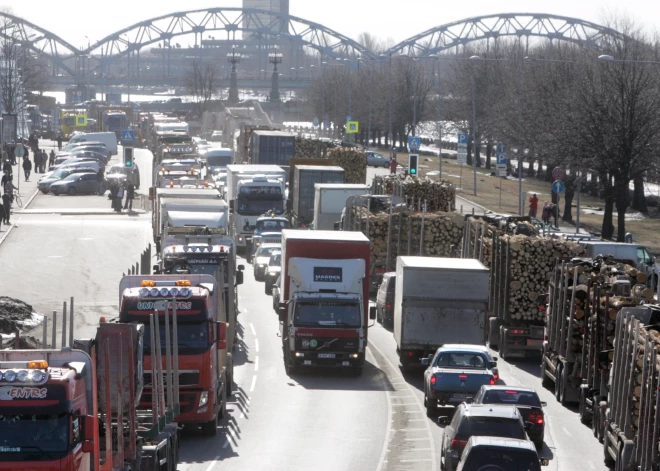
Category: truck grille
[186,378]
[315,344]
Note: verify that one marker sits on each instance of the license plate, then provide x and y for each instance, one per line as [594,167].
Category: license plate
[326,355]
[459,397]
[535,342]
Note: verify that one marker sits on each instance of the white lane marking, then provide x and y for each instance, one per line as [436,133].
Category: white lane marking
[566,431]
[242,416]
[388,429]
[409,429]
[256,345]
[256,364]
[405,404]
[417,461]
[254,383]
[416,439]
[434,464]
[245,311]
[591,464]
[226,443]
[417,420]
[213,463]
[254,332]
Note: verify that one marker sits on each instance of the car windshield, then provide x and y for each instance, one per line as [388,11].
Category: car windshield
[492,427]
[267,251]
[327,314]
[461,360]
[192,337]
[117,169]
[270,225]
[275,260]
[501,459]
[27,433]
[511,396]
[61,173]
[195,266]
[218,160]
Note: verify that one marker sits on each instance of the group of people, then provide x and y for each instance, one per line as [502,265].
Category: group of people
[117,192]
[549,211]
[41,161]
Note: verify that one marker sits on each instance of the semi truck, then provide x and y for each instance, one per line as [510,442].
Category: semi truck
[251,191]
[196,302]
[330,201]
[438,301]
[305,177]
[324,305]
[76,408]
[271,147]
[632,417]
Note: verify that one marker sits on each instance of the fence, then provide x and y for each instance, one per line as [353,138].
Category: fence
[143,267]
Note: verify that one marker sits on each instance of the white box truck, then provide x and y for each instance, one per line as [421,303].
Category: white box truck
[330,201]
[438,301]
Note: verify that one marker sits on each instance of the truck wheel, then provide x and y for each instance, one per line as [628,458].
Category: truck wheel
[210,428]
[288,365]
[545,381]
[585,418]
[223,408]
[230,375]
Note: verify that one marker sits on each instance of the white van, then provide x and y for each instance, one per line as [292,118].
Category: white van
[217,158]
[636,254]
[108,138]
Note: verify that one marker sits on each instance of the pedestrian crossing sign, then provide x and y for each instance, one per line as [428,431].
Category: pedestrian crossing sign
[352,127]
[81,120]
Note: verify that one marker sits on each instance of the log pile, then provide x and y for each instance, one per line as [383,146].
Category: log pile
[651,333]
[352,160]
[441,237]
[439,195]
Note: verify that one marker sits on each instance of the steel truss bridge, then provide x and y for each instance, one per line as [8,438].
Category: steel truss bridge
[107,62]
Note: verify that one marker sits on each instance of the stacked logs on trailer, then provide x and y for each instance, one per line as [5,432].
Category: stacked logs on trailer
[652,333]
[351,159]
[599,288]
[439,233]
[438,195]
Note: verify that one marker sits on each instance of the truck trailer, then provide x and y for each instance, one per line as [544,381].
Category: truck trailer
[305,177]
[438,301]
[324,307]
[330,201]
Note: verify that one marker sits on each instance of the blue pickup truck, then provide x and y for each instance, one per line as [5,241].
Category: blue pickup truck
[455,373]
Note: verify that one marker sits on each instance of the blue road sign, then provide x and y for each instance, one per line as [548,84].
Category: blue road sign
[128,135]
[462,138]
[502,159]
[501,148]
[349,118]
[414,143]
[558,186]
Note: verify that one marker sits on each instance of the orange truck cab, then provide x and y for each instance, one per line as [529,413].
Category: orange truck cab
[202,343]
[46,409]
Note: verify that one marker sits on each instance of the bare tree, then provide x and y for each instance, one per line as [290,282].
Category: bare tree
[202,83]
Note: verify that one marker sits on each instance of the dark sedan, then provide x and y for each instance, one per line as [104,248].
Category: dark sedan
[75,184]
[527,402]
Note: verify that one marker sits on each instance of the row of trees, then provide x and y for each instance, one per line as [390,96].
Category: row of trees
[598,118]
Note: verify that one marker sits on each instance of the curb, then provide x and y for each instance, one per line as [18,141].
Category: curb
[484,209]
[80,213]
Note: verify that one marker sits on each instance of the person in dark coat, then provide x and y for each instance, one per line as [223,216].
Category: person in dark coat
[7,197]
[27,168]
[51,159]
[59,141]
[130,194]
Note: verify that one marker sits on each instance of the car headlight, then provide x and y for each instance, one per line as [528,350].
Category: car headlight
[272,273]
[203,398]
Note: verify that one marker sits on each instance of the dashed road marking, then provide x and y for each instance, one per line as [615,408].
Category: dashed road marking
[254,332]
[256,364]
[256,345]
[254,383]
[591,464]
[213,463]
[566,431]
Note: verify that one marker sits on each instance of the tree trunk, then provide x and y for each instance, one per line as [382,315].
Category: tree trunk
[621,186]
[569,193]
[530,169]
[478,152]
[607,228]
[469,151]
[539,170]
[548,173]
[489,152]
[639,198]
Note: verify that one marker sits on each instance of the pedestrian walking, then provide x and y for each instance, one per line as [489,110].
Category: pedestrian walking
[393,165]
[533,205]
[130,194]
[119,197]
[554,212]
[44,161]
[51,158]
[7,197]
[545,215]
[12,154]
[6,167]
[37,162]
[27,168]
[99,180]
[59,141]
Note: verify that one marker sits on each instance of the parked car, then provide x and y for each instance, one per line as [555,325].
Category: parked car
[261,259]
[478,420]
[385,299]
[496,454]
[75,160]
[91,153]
[455,373]
[374,159]
[276,295]
[76,184]
[121,172]
[527,402]
[273,271]
[90,165]
[45,183]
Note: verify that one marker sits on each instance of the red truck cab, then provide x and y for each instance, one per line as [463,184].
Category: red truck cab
[45,402]
[201,330]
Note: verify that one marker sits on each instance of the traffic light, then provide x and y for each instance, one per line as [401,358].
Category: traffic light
[413,162]
[128,156]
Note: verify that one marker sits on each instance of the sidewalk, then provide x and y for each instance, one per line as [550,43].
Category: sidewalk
[474,208]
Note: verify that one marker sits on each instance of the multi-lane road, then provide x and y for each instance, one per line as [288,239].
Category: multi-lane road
[318,420]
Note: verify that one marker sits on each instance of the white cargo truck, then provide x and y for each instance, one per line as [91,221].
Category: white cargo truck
[438,301]
[330,201]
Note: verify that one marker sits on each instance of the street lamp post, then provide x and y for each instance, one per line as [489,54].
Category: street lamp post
[275,58]
[475,144]
[233,59]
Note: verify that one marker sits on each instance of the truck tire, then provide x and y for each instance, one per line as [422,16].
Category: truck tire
[431,406]
[545,381]
[585,417]
[223,399]
[210,428]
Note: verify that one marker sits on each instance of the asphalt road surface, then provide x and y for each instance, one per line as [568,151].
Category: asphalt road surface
[316,420]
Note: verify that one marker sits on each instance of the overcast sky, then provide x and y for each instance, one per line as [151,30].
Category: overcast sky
[384,18]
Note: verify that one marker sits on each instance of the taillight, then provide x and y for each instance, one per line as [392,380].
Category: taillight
[536,419]
[457,443]
[433,380]
[493,381]
[462,376]
[388,306]
[496,377]
[410,354]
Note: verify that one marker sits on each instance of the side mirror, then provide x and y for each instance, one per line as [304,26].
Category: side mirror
[282,313]
[89,427]
[239,277]
[469,400]
[443,420]
[241,267]
[544,404]
[425,361]
[156,269]
[372,313]
[492,364]
[544,461]
[222,335]
[495,359]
